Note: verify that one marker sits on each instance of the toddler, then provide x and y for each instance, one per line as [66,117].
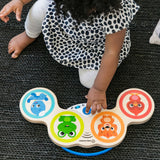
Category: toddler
[91,35]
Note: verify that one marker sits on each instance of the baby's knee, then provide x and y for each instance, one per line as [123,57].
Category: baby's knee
[38,10]
[86,82]
[87,77]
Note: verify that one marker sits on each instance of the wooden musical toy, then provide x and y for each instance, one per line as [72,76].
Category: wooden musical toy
[74,127]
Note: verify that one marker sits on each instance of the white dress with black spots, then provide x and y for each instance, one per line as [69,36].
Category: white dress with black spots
[83,46]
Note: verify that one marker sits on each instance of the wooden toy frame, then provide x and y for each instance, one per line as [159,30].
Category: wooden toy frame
[74,127]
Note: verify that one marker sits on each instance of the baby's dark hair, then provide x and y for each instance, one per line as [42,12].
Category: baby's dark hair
[82,10]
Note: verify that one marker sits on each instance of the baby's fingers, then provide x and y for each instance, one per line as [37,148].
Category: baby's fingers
[94,108]
[99,107]
[104,105]
[4,19]
[18,14]
[88,106]
[4,13]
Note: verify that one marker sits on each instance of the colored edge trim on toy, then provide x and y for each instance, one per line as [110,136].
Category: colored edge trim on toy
[87,154]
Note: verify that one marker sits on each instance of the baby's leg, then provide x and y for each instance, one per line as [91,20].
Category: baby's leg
[87,77]
[33,25]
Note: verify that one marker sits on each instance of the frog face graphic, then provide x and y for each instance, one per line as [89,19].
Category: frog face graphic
[67,127]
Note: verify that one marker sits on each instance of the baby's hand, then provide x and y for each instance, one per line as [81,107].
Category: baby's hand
[15,6]
[96,99]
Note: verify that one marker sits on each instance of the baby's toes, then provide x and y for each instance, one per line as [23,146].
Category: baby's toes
[10,49]
[15,54]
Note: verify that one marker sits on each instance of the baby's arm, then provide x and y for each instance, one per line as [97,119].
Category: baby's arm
[97,94]
[15,6]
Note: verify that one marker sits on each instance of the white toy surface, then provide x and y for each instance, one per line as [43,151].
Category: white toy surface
[74,127]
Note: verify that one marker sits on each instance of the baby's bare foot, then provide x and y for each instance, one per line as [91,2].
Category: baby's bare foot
[18,43]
